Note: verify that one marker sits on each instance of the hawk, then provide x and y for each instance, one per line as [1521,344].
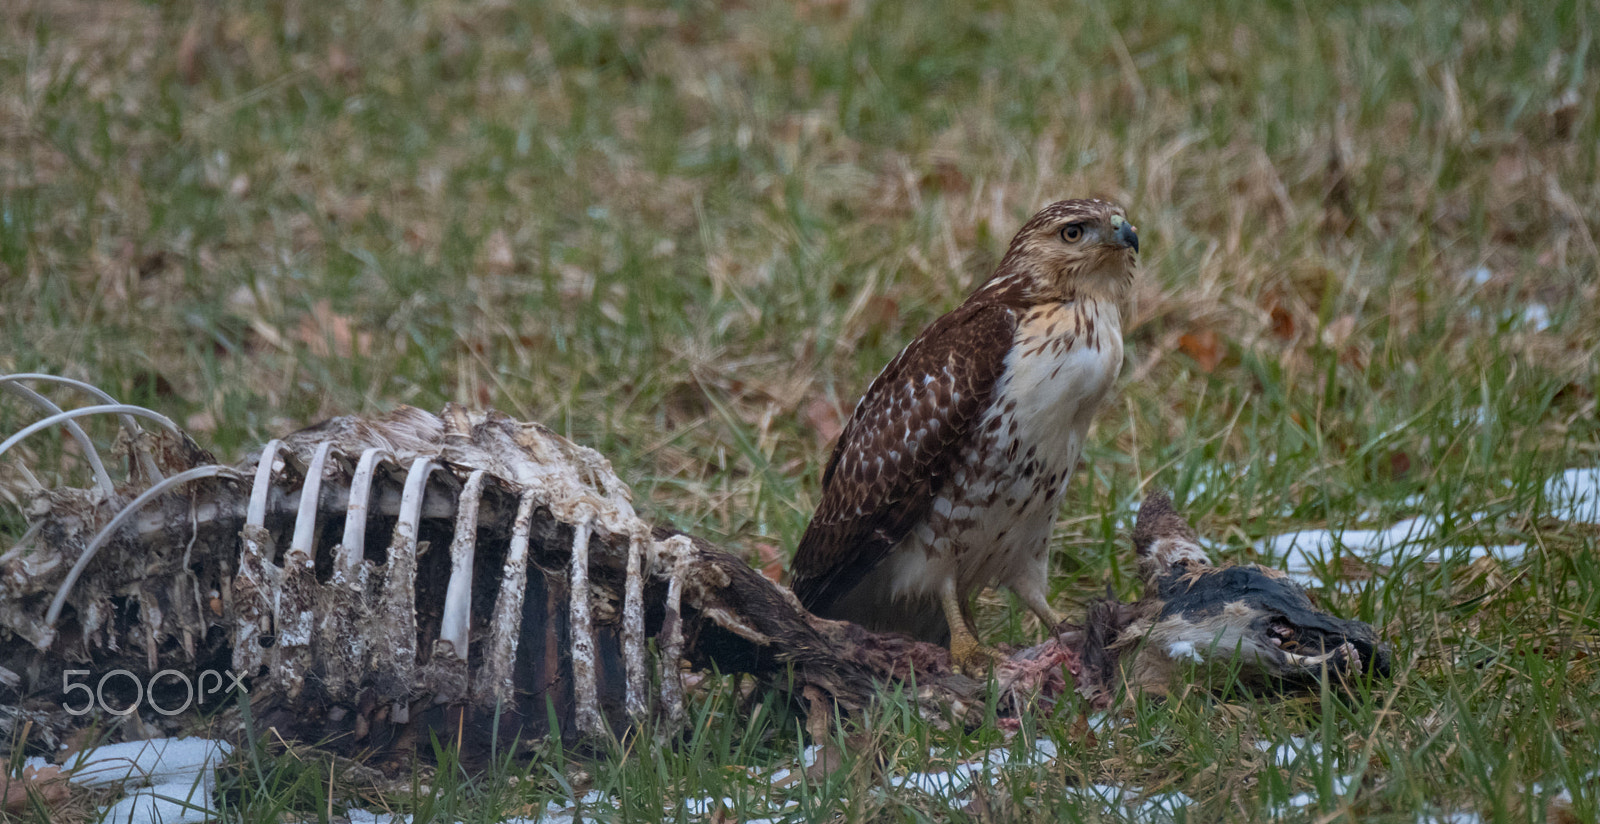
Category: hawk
[950,473]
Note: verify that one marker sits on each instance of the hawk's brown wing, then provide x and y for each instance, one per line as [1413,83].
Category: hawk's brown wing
[899,447]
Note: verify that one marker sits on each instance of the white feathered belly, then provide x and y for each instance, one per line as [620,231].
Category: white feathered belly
[991,523]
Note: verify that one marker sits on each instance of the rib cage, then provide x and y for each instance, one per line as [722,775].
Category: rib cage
[383,562]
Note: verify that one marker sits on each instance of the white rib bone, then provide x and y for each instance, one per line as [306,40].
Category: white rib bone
[102,479]
[293,603]
[495,680]
[671,653]
[457,617]
[581,634]
[352,548]
[147,462]
[29,480]
[22,543]
[257,577]
[256,513]
[633,659]
[305,521]
[342,639]
[85,411]
[129,425]
[121,518]
[396,661]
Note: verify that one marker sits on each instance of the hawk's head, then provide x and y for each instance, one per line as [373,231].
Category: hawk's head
[1071,247]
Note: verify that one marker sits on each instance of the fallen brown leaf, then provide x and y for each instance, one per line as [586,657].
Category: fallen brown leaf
[1204,347]
[188,54]
[824,418]
[44,783]
[325,333]
[770,558]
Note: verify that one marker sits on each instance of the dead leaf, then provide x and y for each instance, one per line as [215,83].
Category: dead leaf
[825,419]
[1338,331]
[326,333]
[45,783]
[771,561]
[1283,326]
[188,54]
[1204,346]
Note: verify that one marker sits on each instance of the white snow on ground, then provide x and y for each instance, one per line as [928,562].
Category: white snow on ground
[170,779]
[158,761]
[1574,495]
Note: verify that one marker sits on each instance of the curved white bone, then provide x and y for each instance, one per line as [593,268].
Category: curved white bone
[85,411]
[581,634]
[147,462]
[213,471]
[397,611]
[457,616]
[352,547]
[633,659]
[671,654]
[102,479]
[257,578]
[495,679]
[292,606]
[128,422]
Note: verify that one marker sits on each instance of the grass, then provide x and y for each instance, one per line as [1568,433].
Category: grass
[689,233]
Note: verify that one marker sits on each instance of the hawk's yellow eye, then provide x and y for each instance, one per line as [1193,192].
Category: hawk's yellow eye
[1072,232]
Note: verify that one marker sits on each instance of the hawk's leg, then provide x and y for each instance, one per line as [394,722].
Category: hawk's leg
[968,655]
[1032,592]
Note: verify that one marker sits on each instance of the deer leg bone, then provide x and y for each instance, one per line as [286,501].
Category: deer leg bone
[102,479]
[122,517]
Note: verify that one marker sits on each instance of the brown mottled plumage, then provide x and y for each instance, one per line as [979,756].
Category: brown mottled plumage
[948,477]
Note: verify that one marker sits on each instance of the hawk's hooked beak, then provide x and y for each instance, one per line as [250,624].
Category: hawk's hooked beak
[1125,232]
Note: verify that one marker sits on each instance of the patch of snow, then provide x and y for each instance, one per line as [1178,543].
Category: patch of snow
[1286,753]
[1537,316]
[1574,495]
[366,817]
[706,806]
[157,761]
[177,802]
[1118,801]
[942,784]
